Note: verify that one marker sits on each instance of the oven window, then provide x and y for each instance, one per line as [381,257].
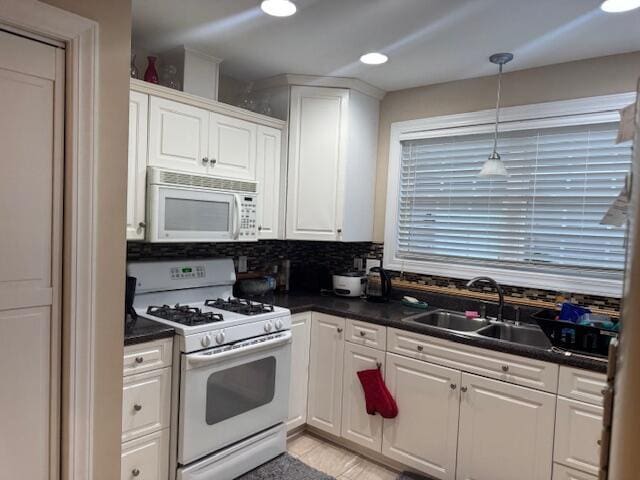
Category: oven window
[239,389]
[188,215]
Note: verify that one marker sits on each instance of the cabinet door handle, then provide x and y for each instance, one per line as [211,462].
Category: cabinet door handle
[363,333]
[135,472]
[420,348]
[453,386]
[213,161]
[142,225]
[259,228]
[463,389]
[139,359]
[205,160]
[505,368]
[339,330]
[137,407]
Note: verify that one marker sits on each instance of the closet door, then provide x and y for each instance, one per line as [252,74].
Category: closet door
[31,135]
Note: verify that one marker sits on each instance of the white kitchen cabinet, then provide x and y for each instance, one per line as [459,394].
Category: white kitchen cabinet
[268,164]
[424,435]
[577,435]
[178,136]
[506,431]
[301,339]
[146,458]
[357,425]
[232,147]
[137,165]
[324,410]
[332,163]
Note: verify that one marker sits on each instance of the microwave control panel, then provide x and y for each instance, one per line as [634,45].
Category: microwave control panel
[248,228]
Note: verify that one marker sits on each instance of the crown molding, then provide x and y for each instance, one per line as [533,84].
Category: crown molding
[289,79]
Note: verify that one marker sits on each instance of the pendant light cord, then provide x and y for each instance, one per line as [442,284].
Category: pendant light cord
[495,135]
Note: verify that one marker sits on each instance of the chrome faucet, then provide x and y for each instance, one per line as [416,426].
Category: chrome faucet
[498,288]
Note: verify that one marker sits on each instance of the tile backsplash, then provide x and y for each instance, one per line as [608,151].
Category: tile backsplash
[337,257]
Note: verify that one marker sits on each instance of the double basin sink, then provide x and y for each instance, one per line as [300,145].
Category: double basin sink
[530,335]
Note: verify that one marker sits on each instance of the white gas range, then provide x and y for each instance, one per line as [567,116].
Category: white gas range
[231,366]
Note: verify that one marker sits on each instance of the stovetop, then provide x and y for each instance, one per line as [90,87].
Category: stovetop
[240,305]
[184,314]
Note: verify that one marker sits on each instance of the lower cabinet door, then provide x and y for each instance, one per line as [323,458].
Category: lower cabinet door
[424,435]
[146,458]
[326,364]
[301,337]
[357,425]
[506,431]
[578,430]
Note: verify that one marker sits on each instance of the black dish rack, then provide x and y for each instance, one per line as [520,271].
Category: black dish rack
[573,337]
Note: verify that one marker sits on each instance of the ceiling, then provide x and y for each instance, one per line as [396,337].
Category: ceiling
[427,41]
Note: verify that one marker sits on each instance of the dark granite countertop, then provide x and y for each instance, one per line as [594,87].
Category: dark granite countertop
[145,330]
[392,314]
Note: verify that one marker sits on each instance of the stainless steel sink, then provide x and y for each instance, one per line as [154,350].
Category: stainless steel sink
[448,320]
[530,335]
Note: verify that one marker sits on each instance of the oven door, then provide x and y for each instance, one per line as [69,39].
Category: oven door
[192,215]
[232,392]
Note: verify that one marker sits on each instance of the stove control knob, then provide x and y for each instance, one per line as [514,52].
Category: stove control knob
[220,337]
[279,325]
[206,340]
[268,327]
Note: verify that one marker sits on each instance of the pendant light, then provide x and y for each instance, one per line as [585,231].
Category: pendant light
[494,167]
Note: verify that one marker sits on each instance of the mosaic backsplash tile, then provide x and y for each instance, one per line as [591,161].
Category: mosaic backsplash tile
[337,257]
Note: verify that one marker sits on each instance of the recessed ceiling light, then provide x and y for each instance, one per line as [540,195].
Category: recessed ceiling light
[278,8]
[617,6]
[374,58]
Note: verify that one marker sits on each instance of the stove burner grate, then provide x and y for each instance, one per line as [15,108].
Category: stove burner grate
[239,305]
[184,314]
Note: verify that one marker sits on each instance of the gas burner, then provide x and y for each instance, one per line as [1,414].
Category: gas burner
[239,305]
[184,314]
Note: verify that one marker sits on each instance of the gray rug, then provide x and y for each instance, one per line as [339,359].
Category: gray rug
[285,467]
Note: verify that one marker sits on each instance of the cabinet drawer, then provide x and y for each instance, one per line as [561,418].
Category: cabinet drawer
[367,334]
[502,366]
[560,472]
[582,385]
[146,457]
[147,356]
[578,430]
[146,398]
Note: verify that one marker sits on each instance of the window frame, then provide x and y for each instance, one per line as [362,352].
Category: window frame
[583,111]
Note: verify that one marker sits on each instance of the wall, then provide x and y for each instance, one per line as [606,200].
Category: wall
[584,78]
[114,18]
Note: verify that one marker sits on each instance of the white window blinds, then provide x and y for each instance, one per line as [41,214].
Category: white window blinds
[544,216]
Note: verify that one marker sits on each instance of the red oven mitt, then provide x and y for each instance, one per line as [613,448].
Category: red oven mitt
[377,395]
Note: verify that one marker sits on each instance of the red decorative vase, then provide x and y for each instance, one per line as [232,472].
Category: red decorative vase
[151,74]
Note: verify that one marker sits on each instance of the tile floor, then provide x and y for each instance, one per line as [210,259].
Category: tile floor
[336,461]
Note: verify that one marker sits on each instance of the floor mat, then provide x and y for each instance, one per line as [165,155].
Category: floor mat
[285,467]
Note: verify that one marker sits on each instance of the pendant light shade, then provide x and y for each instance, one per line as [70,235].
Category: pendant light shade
[494,166]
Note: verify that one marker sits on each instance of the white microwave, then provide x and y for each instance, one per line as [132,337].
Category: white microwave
[185,207]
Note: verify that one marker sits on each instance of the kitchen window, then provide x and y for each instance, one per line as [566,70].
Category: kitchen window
[540,227]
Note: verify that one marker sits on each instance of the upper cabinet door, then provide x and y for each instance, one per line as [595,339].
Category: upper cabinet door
[268,176]
[138,115]
[424,435]
[506,431]
[317,147]
[178,135]
[232,147]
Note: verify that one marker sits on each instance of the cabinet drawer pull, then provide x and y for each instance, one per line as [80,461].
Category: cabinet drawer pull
[453,386]
[599,442]
[139,359]
[505,368]
[135,472]
[205,160]
[463,389]
[339,330]
[420,348]
[362,333]
[142,225]
[137,407]
[213,161]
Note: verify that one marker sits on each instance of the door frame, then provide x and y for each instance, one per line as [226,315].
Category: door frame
[74,447]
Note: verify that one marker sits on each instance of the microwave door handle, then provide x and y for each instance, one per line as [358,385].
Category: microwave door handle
[236,207]
[198,360]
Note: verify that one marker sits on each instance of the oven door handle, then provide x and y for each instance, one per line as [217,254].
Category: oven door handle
[238,219]
[201,359]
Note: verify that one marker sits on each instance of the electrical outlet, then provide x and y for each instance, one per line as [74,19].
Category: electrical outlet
[242,264]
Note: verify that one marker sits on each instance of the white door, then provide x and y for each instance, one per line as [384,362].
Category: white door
[506,431]
[31,135]
[232,147]
[178,136]
[357,425]
[300,341]
[136,188]
[424,435]
[268,176]
[325,372]
[578,431]
[317,145]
